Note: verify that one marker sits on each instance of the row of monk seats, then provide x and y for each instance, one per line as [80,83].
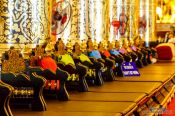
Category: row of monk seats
[27,89]
[103,63]
[76,67]
[104,60]
[137,52]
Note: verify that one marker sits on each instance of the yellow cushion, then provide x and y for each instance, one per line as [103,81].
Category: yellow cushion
[67,59]
[84,58]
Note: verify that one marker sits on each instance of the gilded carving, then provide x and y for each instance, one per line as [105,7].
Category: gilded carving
[1,28]
[74,21]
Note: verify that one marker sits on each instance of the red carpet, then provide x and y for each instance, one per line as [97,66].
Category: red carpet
[170,111]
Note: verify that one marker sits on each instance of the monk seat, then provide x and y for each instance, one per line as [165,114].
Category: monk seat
[118,60]
[92,77]
[94,73]
[127,57]
[139,60]
[149,55]
[133,56]
[27,90]
[55,84]
[108,62]
[5,93]
[145,56]
[77,76]
[71,69]
[89,65]
[107,68]
[108,71]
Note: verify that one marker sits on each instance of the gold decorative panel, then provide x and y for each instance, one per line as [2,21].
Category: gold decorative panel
[74,20]
[96,19]
[25,21]
[2,23]
[15,63]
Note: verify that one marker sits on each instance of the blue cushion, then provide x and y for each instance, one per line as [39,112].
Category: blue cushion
[96,54]
[114,52]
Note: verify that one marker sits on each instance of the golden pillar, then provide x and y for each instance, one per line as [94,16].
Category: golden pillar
[74,20]
[2,23]
[97,19]
[25,21]
[106,20]
[147,20]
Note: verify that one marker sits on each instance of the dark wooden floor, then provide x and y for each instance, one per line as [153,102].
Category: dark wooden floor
[111,99]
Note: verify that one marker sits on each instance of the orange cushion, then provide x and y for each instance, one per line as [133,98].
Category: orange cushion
[48,63]
[106,53]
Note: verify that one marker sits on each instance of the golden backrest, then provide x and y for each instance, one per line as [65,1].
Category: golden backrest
[15,62]
[39,51]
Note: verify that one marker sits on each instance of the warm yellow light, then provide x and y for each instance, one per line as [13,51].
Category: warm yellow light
[82,16]
[111,37]
[92,19]
[159,11]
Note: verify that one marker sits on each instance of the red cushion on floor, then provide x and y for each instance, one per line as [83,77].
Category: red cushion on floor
[164,52]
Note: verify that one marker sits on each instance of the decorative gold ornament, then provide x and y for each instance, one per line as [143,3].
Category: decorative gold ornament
[15,63]
[1,26]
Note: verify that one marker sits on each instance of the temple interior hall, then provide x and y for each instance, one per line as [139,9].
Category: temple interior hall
[87,57]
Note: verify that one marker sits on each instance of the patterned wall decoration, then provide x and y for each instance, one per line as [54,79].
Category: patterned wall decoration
[2,23]
[91,18]
[106,20]
[82,18]
[96,17]
[74,20]
[25,21]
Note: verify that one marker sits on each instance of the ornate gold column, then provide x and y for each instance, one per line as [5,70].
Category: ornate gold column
[25,21]
[147,20]
[2,23]
[97,19]
[106,19]
[74,21]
